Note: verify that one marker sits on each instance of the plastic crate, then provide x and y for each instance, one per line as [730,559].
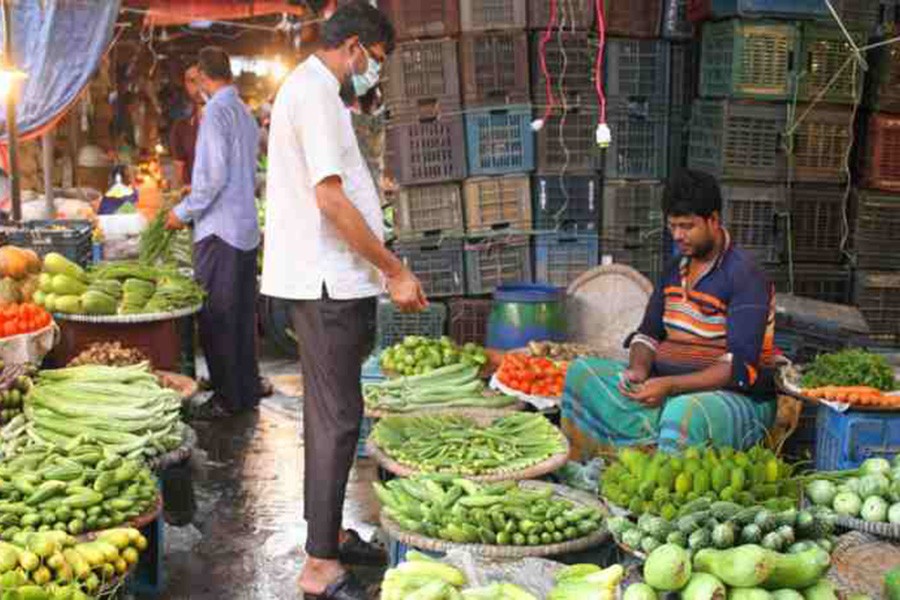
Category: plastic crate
[427,150]
[148,579]
[566,202]
[845,440]
[859,13]
[71,238]
[817,222]
[468,320]
[499,141]
[750,212]
[801,445]
[805,327]
[645,259]
[632,18]
[422,78]
[737,140]
[821,143]
[877,233]
[683,73]
[397,551]
[427,210]
[882,161]
[675,23]
[393,325]
[878,297]
[486,15]
[437,263]
[571,14]
[823,52]
[570,59]
[827,283]
[883,80]
[495,203]
[637,70]
[632,215]
[748,59]
[494,261]
[567,143]
[559,258]
[422,18]
[492,68]
[640,144]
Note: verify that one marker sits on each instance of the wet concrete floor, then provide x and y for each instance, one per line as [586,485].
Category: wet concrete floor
[245,539]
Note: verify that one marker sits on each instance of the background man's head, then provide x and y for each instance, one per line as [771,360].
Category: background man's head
[692,206]
[192,84]
[359,32]
[214,68]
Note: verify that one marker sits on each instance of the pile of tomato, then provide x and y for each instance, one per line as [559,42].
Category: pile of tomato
[533,375]
[16,319]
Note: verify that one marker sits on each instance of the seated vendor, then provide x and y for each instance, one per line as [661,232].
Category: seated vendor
[699,370]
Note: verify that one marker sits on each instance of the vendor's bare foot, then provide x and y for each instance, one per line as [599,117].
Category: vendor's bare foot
[317,574]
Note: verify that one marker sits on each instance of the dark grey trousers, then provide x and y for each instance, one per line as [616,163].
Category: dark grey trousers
[334,337]
[228,321]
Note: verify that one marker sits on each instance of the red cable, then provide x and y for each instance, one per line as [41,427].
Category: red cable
[545,39]
[598,67]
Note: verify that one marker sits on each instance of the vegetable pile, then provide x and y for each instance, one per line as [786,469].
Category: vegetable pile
[83,487]
[461,511]
[872,493]
[424,577]
[111,354]
[18,275]
[456,444]
[15,383]
[856,395]
[114,288]
[723,525]
[849,368]
[447,387]
[417,355]
[54,566]
[16,319]
[123,408]
[561,351]
[748,572]
[533,375]
[661,484]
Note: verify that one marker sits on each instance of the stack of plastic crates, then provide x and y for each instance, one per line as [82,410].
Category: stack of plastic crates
[633,225]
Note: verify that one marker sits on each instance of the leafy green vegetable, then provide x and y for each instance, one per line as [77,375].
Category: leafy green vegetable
[851,367]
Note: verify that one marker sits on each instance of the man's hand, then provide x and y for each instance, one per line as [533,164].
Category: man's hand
[652,392]
[406,291]
[173,223]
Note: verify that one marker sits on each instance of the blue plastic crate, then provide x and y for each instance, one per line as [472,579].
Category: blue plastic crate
[149,579]
[499,140]
[795,9]
[365,429]
[845,440]
[560,258]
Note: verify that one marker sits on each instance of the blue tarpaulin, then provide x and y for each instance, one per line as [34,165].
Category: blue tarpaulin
[59,44]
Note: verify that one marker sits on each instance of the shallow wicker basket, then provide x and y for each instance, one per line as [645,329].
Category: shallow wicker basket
[539,469]
[883,530]
[416,540]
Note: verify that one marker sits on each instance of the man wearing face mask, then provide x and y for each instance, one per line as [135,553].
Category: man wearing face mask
[222,209]
[324,251]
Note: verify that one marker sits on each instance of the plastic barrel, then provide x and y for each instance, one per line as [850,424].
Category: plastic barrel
[522,313]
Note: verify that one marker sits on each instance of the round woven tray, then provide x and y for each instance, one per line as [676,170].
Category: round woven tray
[548,465]
[176,456]
[852,568]
[462,411]
[422,542]
[884,530]
[127,319]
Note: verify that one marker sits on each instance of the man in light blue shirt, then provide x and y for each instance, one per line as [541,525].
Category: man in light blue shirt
[222,209]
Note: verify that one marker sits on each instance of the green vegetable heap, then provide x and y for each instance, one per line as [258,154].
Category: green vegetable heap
[852,367]
[662,483]
[465,512]
[416,355]
[871,493]
[455,444]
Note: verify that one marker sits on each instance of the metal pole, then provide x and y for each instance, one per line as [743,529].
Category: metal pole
[11,129]
[47,148]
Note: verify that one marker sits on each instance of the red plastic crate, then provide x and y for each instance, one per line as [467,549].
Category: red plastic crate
[821,143]
[422,78]
[633,18]
[492,68]
[882,169]
[422,18]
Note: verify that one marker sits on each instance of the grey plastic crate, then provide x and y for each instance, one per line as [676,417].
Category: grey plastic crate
[737,140]
[877,294]
[392,325]
[570,63]
[632,214]
[492,68]
[560,258]
[818,222]
[645,258]
[567,202]
[570,14]
[426,151]
[877,235]
[428,210]
[494,261]
[422,77]
[640,140]
[751,212]
[637,70]
[821,143]
[567,143]
[488,15]
[828,283]
[437,263]
[683,74]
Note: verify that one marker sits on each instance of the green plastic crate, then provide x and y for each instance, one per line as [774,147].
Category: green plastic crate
[748,59]
[823,51]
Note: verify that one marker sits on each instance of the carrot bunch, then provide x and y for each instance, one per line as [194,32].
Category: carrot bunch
[859,395]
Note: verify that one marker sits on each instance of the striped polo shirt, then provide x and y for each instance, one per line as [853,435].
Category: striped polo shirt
[727,314]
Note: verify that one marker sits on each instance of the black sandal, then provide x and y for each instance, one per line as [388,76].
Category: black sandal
[345,588]
[356,551]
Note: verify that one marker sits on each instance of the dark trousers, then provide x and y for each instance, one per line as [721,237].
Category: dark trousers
[228,321]
[334,337]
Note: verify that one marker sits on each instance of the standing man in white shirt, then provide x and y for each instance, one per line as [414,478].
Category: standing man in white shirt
[324,250]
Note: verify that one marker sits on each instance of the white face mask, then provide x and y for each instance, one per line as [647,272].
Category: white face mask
[366,81]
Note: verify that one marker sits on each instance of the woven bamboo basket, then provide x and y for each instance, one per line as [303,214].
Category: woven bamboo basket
[495,552]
